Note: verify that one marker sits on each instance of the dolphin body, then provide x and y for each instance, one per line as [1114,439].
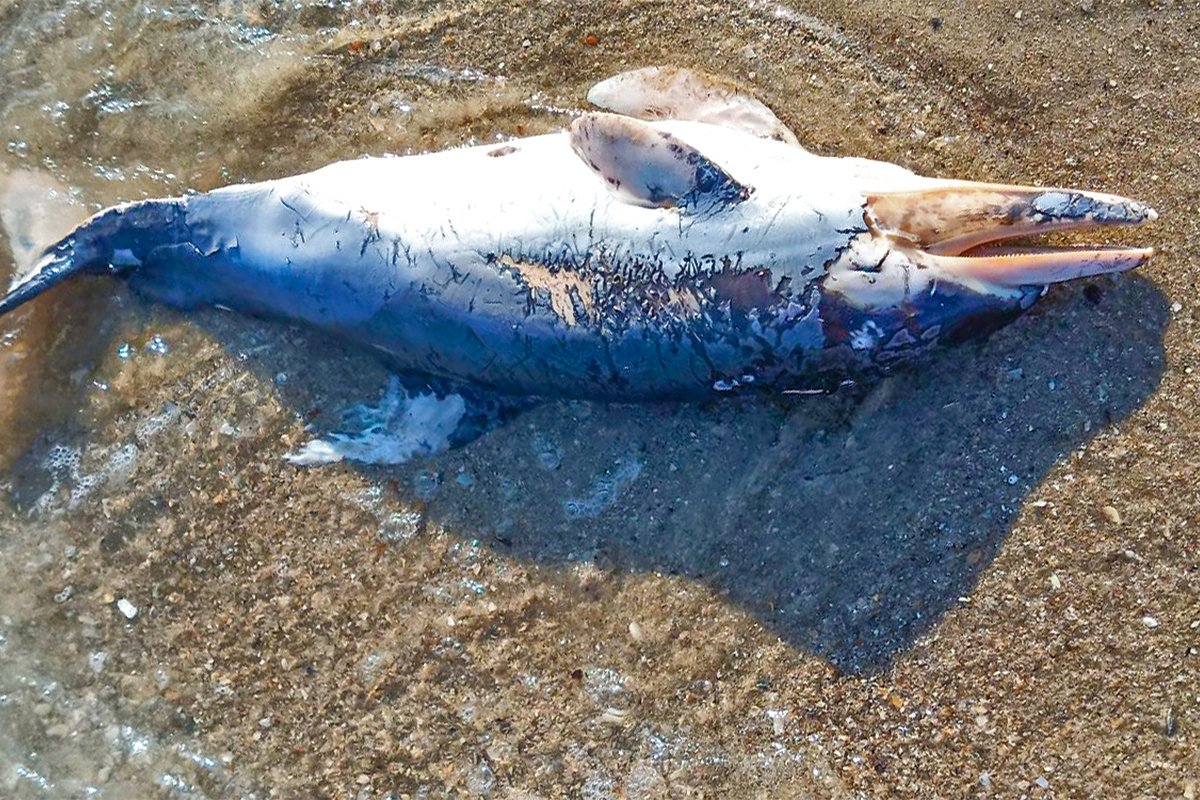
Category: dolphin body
[683,246]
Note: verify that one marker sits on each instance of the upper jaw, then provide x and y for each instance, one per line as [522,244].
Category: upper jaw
[954,225]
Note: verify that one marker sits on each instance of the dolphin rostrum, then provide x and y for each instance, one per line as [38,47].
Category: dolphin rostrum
[682,246]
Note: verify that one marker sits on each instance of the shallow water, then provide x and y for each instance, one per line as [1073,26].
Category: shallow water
[917,585]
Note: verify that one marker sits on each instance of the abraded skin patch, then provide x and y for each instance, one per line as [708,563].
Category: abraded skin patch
[564,287]
[685,300]
[616,295]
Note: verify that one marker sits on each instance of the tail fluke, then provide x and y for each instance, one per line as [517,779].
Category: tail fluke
[56,266]
[112,242]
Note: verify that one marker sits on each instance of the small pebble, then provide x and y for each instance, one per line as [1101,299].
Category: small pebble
[128,609]
[481,780]
[158,345]
[1112,515]
[426,483]
[1150,622]
[615,716]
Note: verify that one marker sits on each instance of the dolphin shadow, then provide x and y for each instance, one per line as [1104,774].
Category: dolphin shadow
[846,524]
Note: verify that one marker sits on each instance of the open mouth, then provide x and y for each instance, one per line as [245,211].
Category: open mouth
[959,227]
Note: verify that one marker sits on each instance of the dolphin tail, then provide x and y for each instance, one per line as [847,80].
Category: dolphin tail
[113,242]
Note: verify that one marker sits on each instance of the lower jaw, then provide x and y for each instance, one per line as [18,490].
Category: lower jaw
[1032,266]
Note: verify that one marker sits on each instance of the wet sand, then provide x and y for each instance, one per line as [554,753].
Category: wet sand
[975,579]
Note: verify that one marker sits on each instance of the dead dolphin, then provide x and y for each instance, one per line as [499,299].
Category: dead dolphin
[683,246]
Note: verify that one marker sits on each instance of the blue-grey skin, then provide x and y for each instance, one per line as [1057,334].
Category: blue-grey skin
[726,282]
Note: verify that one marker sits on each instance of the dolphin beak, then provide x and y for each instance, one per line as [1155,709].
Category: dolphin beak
[955,226]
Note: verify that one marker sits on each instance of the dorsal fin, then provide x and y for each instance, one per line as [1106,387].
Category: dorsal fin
[650,167]
[667,92]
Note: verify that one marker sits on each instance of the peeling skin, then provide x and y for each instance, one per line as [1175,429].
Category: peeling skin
[1063,205]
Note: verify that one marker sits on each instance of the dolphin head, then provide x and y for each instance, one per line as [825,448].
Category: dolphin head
[937,263]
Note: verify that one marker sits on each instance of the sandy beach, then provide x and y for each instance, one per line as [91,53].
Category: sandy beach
[978,578]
